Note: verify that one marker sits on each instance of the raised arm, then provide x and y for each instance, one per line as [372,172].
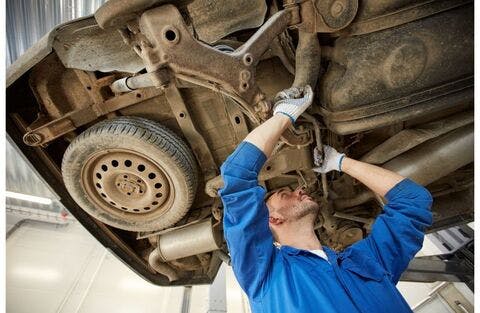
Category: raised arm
[397,234]
[291,103]
[245,221]
[378,179]
[265,136]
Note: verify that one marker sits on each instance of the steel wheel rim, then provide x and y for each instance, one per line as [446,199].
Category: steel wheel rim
[121,181]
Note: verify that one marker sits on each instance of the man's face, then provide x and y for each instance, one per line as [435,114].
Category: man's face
[292,205]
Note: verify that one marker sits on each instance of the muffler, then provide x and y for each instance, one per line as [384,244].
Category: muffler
[182,242]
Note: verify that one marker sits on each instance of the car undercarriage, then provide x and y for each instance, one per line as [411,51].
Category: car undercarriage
[129,114]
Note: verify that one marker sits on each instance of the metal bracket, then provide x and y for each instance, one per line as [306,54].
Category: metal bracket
[42,135]
[327,16]
[194,138]
[168,43]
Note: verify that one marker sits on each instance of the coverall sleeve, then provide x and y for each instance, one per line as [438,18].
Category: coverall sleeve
[397,234]
[245,218]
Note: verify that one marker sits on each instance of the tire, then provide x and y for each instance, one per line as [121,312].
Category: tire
[131,173]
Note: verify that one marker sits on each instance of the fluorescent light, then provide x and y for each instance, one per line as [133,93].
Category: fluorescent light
[21,196]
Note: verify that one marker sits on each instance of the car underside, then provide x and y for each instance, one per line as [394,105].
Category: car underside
[129,114]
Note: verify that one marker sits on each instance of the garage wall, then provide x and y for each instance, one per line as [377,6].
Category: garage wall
[63,269]
[28,20]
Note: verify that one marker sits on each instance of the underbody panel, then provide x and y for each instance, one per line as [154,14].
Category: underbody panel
[142,103]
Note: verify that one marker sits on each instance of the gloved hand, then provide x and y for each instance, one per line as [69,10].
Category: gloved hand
[293,101]
[330,160]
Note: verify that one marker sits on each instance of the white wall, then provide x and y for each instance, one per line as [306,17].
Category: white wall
[63,269]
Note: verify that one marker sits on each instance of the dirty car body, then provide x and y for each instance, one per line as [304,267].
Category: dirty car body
[129,114]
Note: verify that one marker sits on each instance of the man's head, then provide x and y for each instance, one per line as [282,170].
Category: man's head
[290,207]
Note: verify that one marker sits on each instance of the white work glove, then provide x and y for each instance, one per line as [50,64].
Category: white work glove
[330,160]
[293,101]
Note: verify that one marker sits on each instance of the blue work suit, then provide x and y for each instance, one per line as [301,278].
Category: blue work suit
[361,278]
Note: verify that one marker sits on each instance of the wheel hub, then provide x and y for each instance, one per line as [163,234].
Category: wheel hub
[130,185]
[123,180]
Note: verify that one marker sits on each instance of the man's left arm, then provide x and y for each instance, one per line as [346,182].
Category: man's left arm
[397,234]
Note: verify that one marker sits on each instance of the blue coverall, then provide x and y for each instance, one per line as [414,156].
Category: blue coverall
[361,278]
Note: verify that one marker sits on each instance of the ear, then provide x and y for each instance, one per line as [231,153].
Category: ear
[276,219]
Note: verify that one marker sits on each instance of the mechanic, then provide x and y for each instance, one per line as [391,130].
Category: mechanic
[276,256]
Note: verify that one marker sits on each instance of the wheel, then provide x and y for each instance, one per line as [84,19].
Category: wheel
[131,173]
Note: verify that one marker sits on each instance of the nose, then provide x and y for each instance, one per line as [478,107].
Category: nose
[300,191]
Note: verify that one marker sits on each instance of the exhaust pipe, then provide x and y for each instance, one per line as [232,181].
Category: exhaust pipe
[155,261]
[182,242]
[437,158]
[427,162]
[409,138]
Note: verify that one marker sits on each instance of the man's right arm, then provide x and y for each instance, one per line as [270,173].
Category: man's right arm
[245,218]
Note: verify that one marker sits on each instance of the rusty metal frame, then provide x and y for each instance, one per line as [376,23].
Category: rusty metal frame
[405,15]
[175,48]
[164,40]
[326,16]
[42,135]
[194,138]
[236,118]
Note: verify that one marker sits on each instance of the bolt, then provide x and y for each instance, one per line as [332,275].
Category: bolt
[337,8]
[32,139]
[245,75]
